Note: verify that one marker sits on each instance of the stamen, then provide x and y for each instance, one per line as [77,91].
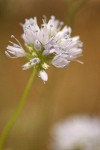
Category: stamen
[12,36]
[81,62]
[16,45]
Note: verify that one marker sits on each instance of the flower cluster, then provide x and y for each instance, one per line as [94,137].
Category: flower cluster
[76,133]
[49,44]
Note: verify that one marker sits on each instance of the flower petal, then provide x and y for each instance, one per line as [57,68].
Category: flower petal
[60,62]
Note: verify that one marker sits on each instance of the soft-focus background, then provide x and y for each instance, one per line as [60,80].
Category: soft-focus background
[69,91]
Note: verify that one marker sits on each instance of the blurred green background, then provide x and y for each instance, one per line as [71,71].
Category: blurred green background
[69,91]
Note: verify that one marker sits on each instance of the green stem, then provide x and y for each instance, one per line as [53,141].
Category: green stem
[72,10]
[16,114]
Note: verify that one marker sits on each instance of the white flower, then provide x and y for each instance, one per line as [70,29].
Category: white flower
[16,50]
[49,44]
[81,133]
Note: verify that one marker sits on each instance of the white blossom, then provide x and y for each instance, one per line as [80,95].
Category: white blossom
[80,132]
[16,50]
[50,43]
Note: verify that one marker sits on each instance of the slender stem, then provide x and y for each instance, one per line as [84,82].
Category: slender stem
[72,10]
[16,114]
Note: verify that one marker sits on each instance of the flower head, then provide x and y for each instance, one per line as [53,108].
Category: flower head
[76,133]
[49,44]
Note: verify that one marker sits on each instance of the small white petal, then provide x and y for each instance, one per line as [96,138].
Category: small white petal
[74,53]
[46,52]
[60,61]
[26,66]
[49,51]
[43,75]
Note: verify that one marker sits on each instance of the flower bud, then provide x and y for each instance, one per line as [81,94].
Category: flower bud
[43,75]
[37,45]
